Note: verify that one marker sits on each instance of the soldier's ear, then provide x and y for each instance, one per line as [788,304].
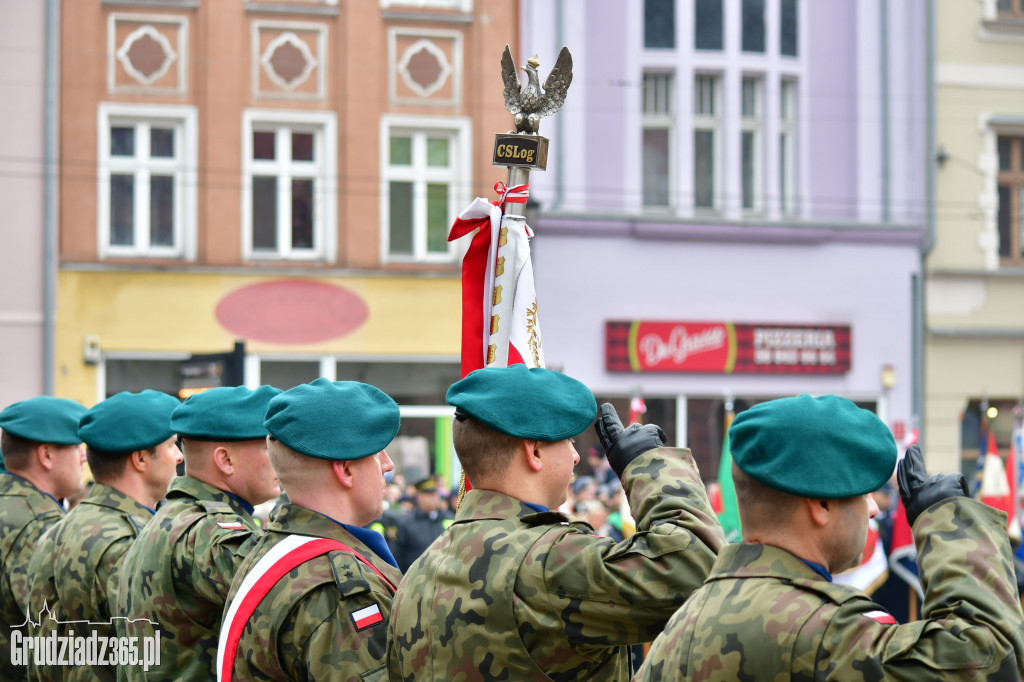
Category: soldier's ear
[343,472]
[46,456]
[223,459]
[531,450]
[820,511]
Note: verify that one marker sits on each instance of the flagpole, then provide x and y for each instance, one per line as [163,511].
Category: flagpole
[507,305]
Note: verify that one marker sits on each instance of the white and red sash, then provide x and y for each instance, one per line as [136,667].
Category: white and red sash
[291,552]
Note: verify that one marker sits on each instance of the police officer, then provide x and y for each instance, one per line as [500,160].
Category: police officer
[132,454]
[43,456]
[804,468]
[515,589]
[178,571]
[312,599]
[417,529]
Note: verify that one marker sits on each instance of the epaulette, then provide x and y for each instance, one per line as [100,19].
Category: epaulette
[350,575]
[216,507]
[837,593]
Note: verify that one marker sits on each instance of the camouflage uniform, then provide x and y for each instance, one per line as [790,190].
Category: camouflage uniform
[25,514]
[303,628]
[177,574]
[90,545]
[43,600]
[764,614]
[511,593]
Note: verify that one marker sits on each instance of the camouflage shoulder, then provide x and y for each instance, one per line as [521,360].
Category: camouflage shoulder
[351,576]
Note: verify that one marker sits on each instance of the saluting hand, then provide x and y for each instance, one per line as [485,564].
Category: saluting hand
[623,445]
[918,492]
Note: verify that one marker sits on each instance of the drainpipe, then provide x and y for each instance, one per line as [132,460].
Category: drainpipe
[50,191]
[884,60]
[920,328]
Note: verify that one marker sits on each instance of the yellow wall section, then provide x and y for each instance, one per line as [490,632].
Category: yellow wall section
[174,312]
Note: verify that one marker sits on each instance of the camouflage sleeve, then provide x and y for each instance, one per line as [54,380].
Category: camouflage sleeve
[210,560]
[623,593]
[105,581]
[972,619]
[336,649]
[16,567]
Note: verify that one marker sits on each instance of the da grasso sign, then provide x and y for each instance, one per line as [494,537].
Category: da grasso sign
[727,347]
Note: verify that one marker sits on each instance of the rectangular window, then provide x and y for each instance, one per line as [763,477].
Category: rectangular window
[787,147]
[788,26]
[753,25]
[660,24]
[1011,195]
[657,139]
[425,185]
[706,125]
[707,25]
[289,186]
[147,162]
[751,143]
[1011,9]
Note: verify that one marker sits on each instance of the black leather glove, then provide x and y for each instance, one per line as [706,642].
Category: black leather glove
[918,492]
[623,445]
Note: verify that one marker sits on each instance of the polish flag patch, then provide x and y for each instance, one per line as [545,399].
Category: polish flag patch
[364,618]
[881,616]
[231,525]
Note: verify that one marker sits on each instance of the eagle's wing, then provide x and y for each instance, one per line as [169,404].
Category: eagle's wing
[510,76]
[556,84]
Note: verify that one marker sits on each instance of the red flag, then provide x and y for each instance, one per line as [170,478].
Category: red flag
[998,485]
[637,408]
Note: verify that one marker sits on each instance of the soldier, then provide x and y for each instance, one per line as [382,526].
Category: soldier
[804,468]
[417,529]
[515,589]
[311,600]
[43,456]
[132,453]
[177,573]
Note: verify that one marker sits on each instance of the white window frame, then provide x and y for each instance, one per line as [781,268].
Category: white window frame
[653,117]
[323,170]
[713,123]
[459,177]
[461,5]
[753,123]
[788,95]
[183,119]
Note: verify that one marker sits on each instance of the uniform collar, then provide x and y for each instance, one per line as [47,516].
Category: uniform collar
[753,560]
[32,485]
[296,519]
[479,504]
[105,496]
[188,486]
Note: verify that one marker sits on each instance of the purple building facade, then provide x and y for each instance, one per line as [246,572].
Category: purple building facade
[733,205]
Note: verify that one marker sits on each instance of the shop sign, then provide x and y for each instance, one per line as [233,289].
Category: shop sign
[727,347]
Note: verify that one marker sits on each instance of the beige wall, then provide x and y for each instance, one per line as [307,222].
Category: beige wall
[974,305]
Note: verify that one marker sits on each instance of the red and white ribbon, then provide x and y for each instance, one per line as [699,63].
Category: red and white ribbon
[486,219]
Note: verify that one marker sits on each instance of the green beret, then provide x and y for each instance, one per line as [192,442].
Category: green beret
[819,448]
[126,422]
[334,420]
[44,419]
[531,403]
[226,413]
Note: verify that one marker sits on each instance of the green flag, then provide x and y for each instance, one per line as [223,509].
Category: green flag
[730,515]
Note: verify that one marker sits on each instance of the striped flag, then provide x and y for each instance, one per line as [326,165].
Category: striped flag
[998,485]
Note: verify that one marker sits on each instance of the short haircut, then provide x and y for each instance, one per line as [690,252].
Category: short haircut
[295,472]
[759,505]
[17,451]
[105,465]
[485,454]
[196,452]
